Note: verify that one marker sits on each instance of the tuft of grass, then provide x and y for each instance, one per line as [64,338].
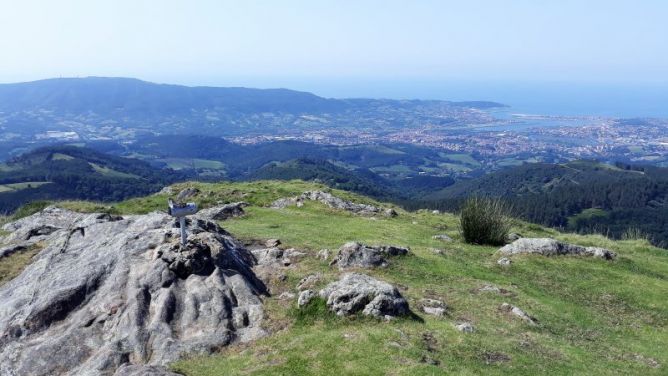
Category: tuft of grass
[29,209]
[11,266]
[485,221]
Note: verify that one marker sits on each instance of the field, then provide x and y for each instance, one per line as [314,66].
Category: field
[19,186]
[187,163]
[594,317]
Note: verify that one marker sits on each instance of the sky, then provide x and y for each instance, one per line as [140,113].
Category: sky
[337,44]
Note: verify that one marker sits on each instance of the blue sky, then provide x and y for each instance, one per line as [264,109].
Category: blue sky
[292,42]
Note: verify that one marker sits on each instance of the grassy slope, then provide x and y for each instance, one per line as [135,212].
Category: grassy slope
[595,317]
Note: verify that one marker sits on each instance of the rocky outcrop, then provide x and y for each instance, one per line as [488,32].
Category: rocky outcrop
[187,193]
[433,307]
[357,255]
[355,293]
[333,202]
[107,292]
[551,247]
[223,212]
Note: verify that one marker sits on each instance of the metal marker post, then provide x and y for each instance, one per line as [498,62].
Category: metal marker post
[180,211]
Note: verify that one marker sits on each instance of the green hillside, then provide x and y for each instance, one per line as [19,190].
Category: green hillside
[69,172]
[624,197]
[594,317]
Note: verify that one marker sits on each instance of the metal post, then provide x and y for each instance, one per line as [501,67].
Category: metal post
[184,237]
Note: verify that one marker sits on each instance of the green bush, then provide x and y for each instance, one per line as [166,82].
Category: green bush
[485,221]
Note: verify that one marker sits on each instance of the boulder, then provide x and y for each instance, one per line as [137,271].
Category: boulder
[187,193]
[504,261]
[357,255]
[513,236]
[272,243]
[105,292]
[552,247]
[223,212]
[142,370]
[323,254]
[433,307]
[442,237]
[505,307]
[355,293]
[305,297]
[465,327]
[333,202]
[309,281]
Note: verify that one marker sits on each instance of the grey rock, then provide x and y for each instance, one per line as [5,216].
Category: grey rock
[489,288]
[309,281]
[465,327]
[433,307]
[505,307]
[323,254]
[106,291]
[305,297]
[436,212]
[357,255]
[142,370]
[187,193]
[270,243]
[223,212]
[287,295]
[355,293]
[333,202]
[513,236]
[504,261]
[442,237]
[552,247]
[268,256]
[390,213]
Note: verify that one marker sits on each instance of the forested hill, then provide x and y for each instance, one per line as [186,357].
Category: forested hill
[583,196]
[69,172]
[360,180]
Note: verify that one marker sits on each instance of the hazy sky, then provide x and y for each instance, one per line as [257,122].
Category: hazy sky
[272,43]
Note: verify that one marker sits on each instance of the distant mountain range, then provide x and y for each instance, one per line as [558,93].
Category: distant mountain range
[133,97]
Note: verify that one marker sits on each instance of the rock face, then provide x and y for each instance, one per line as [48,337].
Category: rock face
[333,202]
[355,293]
[551,247]
[221,213]
[108,291]
[357,255]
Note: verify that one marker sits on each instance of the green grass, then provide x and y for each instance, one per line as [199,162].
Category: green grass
[106,171]
[13,265]
[187,163]
[19,186]
[595,317]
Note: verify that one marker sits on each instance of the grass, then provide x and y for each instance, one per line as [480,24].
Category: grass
[19,186]
[188,163]
[13,265]
[595,317]
[106,171]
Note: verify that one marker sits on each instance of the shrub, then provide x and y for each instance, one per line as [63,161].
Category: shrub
[485,221]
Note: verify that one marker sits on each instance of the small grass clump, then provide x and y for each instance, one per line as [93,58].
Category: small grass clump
[485,221]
